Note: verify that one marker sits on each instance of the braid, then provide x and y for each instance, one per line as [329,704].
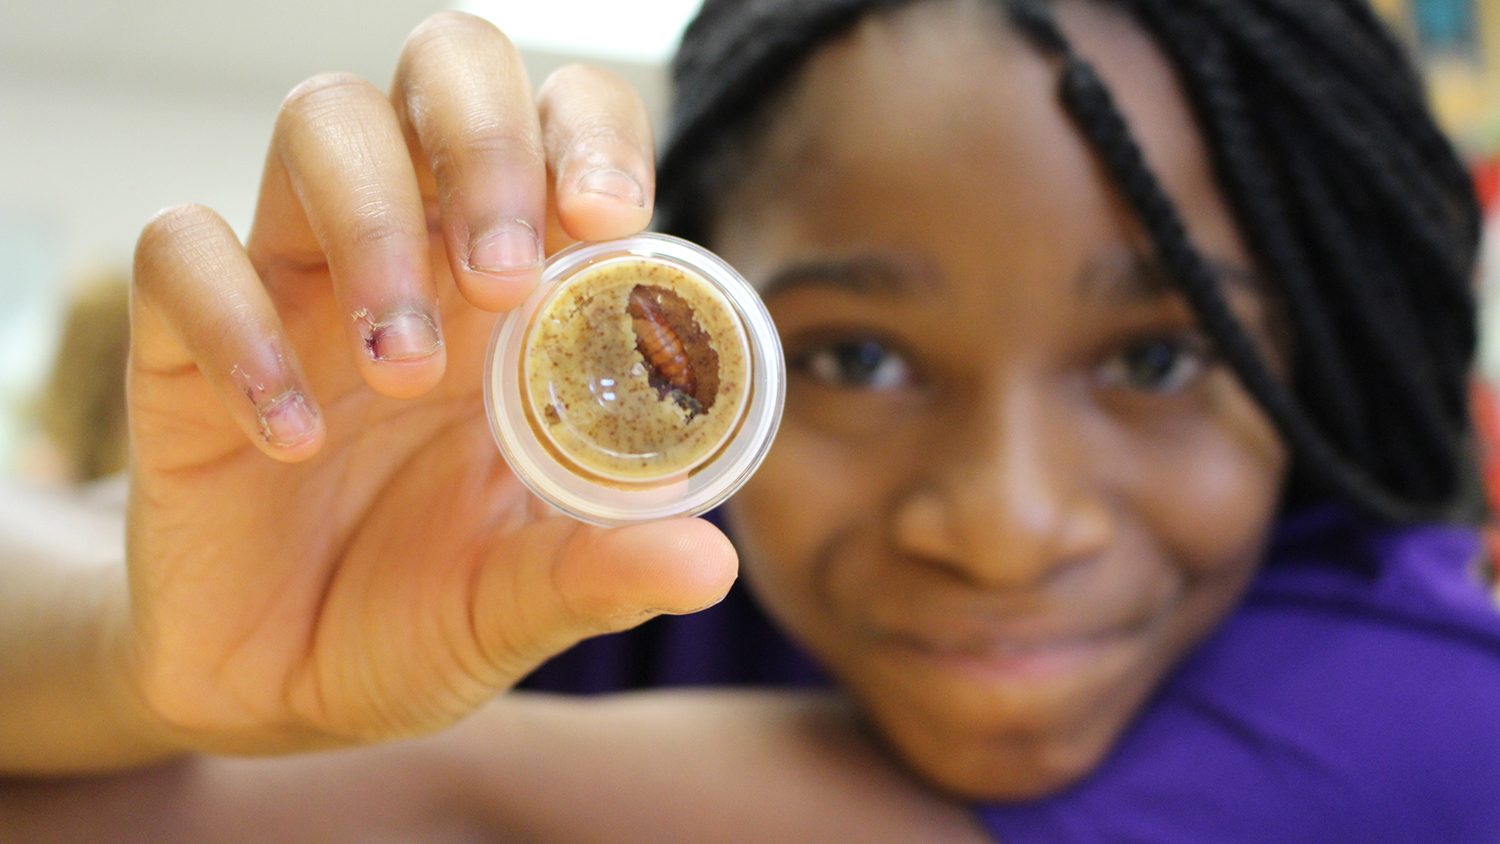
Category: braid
[1091,105]
[1249,173]
[1355,206]
[1319,96]
[1426,459]
[1367,289]
[1376,68]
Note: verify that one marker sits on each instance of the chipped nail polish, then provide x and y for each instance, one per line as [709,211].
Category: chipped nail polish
[287,420]
[403,337]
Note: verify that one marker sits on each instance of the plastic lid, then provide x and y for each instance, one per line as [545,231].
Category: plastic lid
[642,380]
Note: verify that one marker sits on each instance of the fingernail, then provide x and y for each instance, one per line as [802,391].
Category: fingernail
[613,183]
[287,420]
[513,245]
[710,605]
[407,336]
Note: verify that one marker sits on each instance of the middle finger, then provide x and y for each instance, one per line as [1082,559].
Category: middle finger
[338,152]
[462,92]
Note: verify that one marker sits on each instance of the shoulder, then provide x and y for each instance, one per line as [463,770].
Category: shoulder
[1414,640]
[1334,704]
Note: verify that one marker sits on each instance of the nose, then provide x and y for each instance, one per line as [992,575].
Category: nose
[1012,499]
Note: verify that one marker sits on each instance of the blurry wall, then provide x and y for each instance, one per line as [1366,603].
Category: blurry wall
[1458,42]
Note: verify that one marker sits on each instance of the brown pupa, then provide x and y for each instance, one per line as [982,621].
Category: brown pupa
[662,347]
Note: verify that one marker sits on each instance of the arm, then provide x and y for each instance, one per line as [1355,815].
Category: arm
[696,766]
[405,791]
[64,701]
[668,766]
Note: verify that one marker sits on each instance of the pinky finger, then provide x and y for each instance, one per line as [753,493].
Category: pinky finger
[196,301]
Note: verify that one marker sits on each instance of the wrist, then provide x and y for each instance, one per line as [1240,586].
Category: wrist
[68,705]
[141,735]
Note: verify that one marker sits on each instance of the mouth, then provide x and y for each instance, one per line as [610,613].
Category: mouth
[996,658]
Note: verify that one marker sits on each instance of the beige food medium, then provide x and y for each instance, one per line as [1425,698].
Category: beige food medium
[584,335]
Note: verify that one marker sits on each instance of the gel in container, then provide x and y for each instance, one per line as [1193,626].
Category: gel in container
[642,380]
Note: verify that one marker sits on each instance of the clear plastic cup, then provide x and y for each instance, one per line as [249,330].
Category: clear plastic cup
[643,379]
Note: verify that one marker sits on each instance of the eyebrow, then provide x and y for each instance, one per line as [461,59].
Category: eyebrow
[877,274]
[1124,280]
[1115,278]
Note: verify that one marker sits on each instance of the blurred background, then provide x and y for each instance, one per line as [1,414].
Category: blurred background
[112,110]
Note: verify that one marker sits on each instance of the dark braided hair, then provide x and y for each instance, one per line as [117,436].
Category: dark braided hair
[1355,206]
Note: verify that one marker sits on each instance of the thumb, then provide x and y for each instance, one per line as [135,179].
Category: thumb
[573,581]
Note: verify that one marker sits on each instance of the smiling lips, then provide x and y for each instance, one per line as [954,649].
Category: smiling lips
[1010,655]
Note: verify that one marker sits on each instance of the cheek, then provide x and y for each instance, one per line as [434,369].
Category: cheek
[812,489]
[1209,488]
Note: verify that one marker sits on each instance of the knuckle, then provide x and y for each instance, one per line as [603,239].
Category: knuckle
[483,145]
[379,220]
[376,233]
[600,132]
[597,141]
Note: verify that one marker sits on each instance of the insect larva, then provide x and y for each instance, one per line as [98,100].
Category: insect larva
[661,346]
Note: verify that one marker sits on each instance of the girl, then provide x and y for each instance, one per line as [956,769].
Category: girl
[1121,491]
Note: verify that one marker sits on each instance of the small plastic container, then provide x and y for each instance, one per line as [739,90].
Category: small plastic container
[642,380]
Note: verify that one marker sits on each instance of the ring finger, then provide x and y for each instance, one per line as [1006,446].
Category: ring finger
[339,174]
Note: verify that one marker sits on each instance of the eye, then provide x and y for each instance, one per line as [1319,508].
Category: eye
[1158,364]
[856,363]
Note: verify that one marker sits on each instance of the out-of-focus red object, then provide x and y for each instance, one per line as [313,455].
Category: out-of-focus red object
[1484,397]
[1485,402]
[1487,183]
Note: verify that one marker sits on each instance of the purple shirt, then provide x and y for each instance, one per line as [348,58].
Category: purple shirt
[1353,696]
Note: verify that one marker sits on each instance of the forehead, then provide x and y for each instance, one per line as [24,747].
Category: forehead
[938,128]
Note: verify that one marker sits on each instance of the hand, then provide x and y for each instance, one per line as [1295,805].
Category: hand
[324,544]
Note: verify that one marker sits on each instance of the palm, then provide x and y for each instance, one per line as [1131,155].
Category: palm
[335,579]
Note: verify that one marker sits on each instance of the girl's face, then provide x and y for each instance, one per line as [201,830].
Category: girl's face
[1012,488]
